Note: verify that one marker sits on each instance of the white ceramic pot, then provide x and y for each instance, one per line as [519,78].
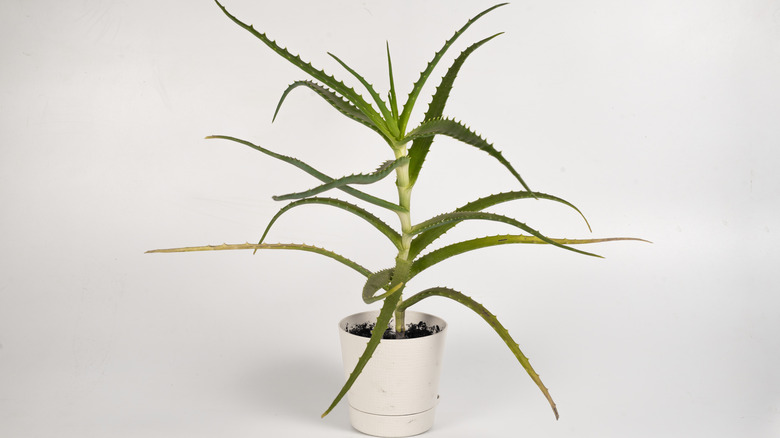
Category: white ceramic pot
[397,392]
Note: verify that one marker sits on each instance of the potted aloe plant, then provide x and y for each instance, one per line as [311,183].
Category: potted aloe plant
[389,119]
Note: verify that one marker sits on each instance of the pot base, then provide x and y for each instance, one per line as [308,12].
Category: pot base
[391,425]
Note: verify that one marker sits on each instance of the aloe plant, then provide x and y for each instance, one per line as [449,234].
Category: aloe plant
[410,148]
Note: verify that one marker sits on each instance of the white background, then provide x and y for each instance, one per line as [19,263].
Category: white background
[658,119]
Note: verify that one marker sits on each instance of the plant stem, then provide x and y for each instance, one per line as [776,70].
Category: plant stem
[404,187]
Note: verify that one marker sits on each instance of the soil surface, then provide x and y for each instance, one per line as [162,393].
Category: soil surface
[413,330]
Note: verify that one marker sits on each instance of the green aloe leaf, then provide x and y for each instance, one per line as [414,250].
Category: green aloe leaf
[317,74]
[383,171]
[459,216]
[379,280]
[315,173]
[344,205]
[385,315]
[459,131]
[493,322]
[389,120]
[417,88]
[421,146]
[391,95]
[454,249]
[427,237]
[343,106]
[256,246]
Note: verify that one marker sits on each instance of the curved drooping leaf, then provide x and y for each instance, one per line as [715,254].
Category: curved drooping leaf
[315,173]
[379,280]
[385,315]
[344,205]
[426,238]
[454,249]
[420,147]
[389,120]
[383,171]
[255,246]
[343,106]
[459,131]
[349,93]
[493,322]
[459,216]
[417,87]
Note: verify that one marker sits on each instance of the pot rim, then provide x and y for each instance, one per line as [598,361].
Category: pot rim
[371,315]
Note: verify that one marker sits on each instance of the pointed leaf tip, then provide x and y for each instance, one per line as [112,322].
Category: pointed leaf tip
[418,85]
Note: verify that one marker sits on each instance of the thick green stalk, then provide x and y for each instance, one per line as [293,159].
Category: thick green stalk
[403,264]
[400,323]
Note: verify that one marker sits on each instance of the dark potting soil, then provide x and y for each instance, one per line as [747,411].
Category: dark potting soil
[413,330]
